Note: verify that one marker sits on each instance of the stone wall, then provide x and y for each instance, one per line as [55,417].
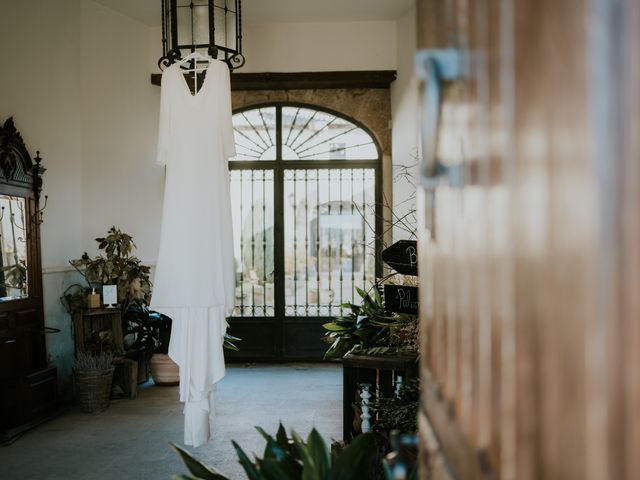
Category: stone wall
[369,106]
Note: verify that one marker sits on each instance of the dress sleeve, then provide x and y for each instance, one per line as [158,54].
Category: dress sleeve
[164,126]
[227,121]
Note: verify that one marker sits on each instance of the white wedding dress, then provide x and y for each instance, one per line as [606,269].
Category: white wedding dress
[195,276]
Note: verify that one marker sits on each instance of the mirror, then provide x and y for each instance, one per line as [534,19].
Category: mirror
[13,248]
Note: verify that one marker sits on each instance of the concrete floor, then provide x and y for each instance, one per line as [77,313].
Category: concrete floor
[131,439]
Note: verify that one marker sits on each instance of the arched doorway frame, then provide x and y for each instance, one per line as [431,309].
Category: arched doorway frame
[284,337]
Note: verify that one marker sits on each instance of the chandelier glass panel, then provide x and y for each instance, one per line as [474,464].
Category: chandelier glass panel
[212,27]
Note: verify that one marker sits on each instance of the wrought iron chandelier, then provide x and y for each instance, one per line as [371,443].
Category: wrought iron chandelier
[212,27]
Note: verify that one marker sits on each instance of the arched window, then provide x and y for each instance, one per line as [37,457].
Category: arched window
[305,185]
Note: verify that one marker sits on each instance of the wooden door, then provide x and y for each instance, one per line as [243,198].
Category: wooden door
[530,239]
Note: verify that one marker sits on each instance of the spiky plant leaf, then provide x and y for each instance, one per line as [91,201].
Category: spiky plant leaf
[272,449]
[249,468]
[309,468]
[356,460]
[281,436]
[320,453]
[272,469]
[197,468]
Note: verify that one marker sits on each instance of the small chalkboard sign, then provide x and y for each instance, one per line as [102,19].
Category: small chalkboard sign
[401,299]
[402,256]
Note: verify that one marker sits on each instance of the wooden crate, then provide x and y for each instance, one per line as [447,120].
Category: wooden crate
[380,372]
[88,321]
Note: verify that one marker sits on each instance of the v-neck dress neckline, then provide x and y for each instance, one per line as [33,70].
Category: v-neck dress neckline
[185,85]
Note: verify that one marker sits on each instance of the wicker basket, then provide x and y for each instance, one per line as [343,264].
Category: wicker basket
[94,389]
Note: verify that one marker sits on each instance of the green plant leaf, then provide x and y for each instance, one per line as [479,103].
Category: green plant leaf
[309,468]
[249,468]
[271,469]
[321,456]
[377,296]
[356,461]
[197,468]
[339,347]
[272,449]
[334,327]
[281,436]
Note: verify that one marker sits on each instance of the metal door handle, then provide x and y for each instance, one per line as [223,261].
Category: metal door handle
[434,66]
[13,340]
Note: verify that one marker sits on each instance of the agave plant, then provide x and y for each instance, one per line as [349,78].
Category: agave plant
[367,325]
[292,458]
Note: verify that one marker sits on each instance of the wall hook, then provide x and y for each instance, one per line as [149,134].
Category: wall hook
[39,215]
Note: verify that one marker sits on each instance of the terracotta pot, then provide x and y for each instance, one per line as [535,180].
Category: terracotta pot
[164,371]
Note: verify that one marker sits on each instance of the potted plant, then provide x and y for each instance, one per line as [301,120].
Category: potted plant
[291,457]
[114,265]
[93,375]
[151,332]
[117,266]
[369,328]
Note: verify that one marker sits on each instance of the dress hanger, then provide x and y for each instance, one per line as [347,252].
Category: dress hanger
[193,58]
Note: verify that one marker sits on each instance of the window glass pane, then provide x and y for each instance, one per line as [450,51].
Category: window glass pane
[255,134]
[252,212]
[313,135]
[328,213]
[329,238]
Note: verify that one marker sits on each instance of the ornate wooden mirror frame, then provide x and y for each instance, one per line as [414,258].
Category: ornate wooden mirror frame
[29,386]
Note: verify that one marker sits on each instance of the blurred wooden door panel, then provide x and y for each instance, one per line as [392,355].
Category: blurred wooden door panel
[530,242]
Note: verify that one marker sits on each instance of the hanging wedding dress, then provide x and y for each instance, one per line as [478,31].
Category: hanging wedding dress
[194,280]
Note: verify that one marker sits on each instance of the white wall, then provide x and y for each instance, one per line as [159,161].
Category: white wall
[319,46]
[404,113]
[39,87]
[121,183]
[40,51]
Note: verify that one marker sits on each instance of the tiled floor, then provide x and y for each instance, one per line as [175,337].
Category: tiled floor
[131,439]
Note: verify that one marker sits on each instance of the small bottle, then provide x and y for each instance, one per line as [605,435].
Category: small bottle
[93,299]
